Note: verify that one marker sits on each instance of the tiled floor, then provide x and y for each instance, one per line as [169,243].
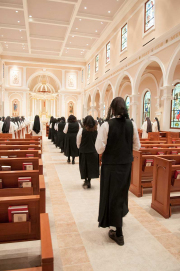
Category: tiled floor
[151,242]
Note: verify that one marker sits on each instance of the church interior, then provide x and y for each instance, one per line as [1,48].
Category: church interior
[73,57]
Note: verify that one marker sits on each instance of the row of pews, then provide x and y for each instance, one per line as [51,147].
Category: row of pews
[16,155]
[157,165]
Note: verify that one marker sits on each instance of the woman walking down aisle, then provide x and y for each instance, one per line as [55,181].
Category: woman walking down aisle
[116,139]
[9,127]
[61,135]
[146,128]
[71,129]
[156,125]
[88,157]
[36,127]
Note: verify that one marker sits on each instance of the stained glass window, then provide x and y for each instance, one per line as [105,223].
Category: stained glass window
[89,67]
[175,107]
[146,105]
[127,101]
[108,47]
[124,37]
[104,110]
[149,14]
[97,63]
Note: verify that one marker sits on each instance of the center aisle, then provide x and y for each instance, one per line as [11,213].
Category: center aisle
[85,247]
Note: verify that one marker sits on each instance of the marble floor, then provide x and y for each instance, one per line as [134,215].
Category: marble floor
[151,242]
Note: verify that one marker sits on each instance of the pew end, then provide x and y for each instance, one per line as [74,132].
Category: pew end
[42,191]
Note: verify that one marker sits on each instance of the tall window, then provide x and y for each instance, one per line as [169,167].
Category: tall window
[149,15]
[175,107]
[108,48]
[124,37]
[127,101]
[89,67]
[97,63]
[146,105]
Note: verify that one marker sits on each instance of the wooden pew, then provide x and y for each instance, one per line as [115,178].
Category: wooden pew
[5,135]
[142,176]
[17,163]
[33,137]
[47,258]
[21,139]
[19,147]
[21,153]
[47,129]
[20,142]
[154,136]
[162,185]
[144,145]
[145,141]
[10,185]
[20,231]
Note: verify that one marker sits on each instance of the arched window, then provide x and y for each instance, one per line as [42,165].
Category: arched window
[127,101]
[175,107]
[146,105]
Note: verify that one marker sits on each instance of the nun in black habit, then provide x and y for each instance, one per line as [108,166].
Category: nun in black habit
[88,156]
[61,135]
[71,129]
[117,137]
[50,128]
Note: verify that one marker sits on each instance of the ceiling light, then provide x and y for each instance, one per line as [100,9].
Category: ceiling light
[5,42]
[68,48]
[23,48]
[20,30]
[73,36]
[87,44]
[96,31]
[109,11]
[101,22]
[70,41]
[18,21]
[21,37]
[76,28]
[1,35]
[30,16]
[85,7]
[16,11]
[80,19]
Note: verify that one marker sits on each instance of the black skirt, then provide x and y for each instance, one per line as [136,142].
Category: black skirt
[70,147]
[89,165]
[50,133]
[114,186]
[60,140]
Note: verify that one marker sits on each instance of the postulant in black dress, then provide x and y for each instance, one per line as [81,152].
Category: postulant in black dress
[88,156]
[50,132]
[61,135]
[70,147]
[116,173]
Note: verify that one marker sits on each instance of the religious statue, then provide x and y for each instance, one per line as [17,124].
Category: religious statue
[15,106]
[71,108]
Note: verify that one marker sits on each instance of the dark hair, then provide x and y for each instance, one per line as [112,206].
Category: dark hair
[3,119]
[149,125]
[72,119]
[158,124]
[63,120]
[6,125]
[36,126]
[132,119]
[89,123]
[118,108]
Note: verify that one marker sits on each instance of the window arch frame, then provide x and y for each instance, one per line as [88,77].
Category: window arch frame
[127,96]
[177,83]
[145,31]
[143,112]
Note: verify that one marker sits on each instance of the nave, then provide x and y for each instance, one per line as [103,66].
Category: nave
[152,242]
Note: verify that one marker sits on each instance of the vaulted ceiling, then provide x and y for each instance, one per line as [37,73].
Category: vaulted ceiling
[54,28]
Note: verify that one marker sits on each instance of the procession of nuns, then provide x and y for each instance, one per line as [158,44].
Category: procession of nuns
[114,138]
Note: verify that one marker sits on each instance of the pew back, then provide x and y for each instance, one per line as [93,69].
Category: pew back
[19,147]
[21,153]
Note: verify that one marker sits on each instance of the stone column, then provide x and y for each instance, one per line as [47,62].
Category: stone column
[63,80]
[24,76]
[92,110]
[63,106]
[101,109]
[54,107]
[134,104]
[167,98]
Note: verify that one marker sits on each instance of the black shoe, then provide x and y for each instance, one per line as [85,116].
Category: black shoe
[73,162]
[68,160]
[62,151]
[119,240]
[89,183]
